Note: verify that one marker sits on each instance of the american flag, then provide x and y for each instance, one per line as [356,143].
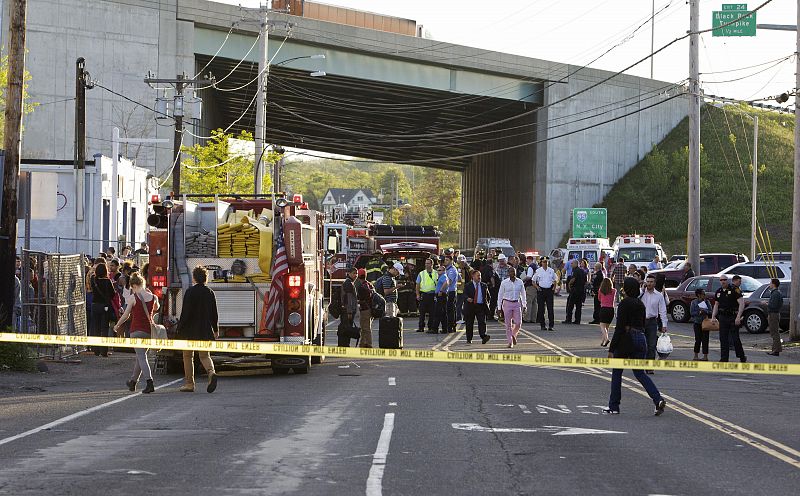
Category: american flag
[274,299]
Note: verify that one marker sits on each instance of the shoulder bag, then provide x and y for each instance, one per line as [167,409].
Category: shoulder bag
[157,331]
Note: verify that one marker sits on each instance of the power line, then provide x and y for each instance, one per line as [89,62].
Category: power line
[512,147]
[130,99]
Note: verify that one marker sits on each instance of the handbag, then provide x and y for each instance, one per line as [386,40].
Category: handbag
[664,346]
[709,325]
[157,331]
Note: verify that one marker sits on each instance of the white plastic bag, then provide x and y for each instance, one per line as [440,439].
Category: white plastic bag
[664,346]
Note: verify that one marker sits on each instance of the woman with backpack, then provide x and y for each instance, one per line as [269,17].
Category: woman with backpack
[629,341]
[102,311]
[141,306]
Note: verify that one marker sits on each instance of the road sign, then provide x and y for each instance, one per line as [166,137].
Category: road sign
[589,223]
[731,12]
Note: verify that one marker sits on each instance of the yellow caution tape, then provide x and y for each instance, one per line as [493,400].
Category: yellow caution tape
[260,348]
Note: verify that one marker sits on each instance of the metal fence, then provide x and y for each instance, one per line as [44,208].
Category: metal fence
[53,299]
[90,247]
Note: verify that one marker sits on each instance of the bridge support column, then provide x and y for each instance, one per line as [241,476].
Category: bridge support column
[499,190]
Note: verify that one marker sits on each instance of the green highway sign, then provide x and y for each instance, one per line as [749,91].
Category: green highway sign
[732,12]
[589,223]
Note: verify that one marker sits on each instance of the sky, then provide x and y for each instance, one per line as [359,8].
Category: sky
[577,31]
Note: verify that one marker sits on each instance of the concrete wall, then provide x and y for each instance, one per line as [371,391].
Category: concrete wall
[578,170]
[121,40]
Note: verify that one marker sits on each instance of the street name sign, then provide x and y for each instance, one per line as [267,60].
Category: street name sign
[731,12]
[589,223]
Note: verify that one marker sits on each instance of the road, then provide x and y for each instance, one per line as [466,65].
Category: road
[405,428]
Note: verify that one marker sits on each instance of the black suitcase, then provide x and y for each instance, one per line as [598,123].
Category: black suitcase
[390,333]
[343,336]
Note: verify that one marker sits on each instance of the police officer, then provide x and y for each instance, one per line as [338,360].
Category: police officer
[727,311]
[426,294]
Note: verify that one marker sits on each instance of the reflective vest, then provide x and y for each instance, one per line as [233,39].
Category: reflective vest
[427,282]
[374,269]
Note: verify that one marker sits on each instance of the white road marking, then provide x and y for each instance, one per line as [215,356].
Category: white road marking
[554,429]
[502,404]
[560,409]
[392,381]
[80,414]
[393,403]
[375,479]
[524,409]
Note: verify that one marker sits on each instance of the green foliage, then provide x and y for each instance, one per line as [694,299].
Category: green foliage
[224,165]
[16,356]
[27,106]
[653,196]
[434,195]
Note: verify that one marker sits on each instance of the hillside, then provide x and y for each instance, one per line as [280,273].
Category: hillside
[652,197]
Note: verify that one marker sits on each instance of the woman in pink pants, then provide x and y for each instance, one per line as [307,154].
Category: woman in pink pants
[511,298]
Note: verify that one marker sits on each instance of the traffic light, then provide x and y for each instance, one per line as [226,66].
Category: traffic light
[159,217]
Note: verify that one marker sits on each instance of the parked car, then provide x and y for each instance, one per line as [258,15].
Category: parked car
[755,308]
[680,298]
[762,271]
[775,256]
[678,258]
[710,263]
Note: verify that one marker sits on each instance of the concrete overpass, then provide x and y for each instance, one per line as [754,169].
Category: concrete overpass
[495,117]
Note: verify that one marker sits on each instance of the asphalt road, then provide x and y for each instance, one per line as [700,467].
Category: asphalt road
[405,428]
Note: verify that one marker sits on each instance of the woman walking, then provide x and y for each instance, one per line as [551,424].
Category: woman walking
[700,310]
[607,295]
[102,293]
[629,342]
[140,307]
[511,298]
[200,322]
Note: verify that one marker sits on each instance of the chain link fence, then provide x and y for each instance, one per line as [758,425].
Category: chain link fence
[83,246]
[53,300]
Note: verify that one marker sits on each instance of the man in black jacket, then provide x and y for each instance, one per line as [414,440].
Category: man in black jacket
[576,283]
[200,322]
[476,305]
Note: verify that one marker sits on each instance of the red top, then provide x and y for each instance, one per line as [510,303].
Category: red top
[139,320]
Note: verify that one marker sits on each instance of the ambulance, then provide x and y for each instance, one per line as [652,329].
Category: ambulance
[637,248]
[592,249]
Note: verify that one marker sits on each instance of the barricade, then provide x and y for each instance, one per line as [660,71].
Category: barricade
[422,355]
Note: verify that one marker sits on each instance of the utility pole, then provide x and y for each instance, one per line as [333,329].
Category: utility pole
[794,326]
[755,190]
[81,81]
[693,235]
[180,83]
[261,101]
[17,12]
[652,37]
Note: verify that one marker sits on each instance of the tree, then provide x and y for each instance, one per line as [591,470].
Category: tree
[28,106]
[224,165]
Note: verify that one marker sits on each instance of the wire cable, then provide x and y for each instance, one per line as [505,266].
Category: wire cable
[226,76]
[218,50]
[130,99]
[266,68]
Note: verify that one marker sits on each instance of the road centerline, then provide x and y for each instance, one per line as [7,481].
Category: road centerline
[375,479]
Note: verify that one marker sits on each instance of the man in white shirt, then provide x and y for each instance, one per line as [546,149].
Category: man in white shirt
[655,308]
[511,298]
[545,281]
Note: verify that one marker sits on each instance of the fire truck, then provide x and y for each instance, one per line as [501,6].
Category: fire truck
[354,240]
[233,238]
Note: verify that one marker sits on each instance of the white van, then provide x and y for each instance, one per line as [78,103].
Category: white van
[592,249]
[639,249]
[501,245]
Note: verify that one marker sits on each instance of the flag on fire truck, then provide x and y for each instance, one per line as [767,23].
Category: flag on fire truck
[274,300]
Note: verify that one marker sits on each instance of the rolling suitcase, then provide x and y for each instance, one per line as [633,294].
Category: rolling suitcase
[344,335]
[390,332]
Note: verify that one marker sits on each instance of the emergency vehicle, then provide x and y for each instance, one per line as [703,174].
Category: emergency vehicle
[233,239]
[637,248]
[592,249]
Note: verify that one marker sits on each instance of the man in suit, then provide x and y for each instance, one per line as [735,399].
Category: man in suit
[478,301]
